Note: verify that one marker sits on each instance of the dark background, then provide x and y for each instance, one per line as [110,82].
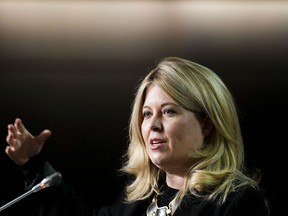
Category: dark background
[73,67]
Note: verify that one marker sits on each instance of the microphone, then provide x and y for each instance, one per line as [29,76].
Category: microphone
[53,179]
[49,181]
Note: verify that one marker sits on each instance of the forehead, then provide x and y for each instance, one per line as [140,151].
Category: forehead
[155,94]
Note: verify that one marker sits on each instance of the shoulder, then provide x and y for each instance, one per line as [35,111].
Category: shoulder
[121,207]
[247,201]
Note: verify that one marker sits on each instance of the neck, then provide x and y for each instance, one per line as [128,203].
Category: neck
[174,181]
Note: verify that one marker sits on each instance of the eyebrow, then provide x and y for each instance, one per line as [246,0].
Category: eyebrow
[164,104]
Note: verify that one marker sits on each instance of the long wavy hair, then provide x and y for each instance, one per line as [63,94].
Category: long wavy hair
[217,167]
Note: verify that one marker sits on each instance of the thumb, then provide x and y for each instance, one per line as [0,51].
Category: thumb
[43,136]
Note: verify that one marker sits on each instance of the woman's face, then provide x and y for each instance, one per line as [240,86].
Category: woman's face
[170,132]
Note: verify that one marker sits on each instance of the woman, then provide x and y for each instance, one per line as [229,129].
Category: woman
[185,155]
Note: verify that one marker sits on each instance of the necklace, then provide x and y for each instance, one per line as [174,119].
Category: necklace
[154,210]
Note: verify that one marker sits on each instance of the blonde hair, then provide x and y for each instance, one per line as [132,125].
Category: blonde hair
[218,166]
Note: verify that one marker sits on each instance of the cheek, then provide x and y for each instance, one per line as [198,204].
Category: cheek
[174,131]
[186,134]
[144,131]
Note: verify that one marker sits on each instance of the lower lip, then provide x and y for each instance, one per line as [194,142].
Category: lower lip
[156,146]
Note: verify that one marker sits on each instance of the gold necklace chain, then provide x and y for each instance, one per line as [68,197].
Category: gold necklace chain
[154,210]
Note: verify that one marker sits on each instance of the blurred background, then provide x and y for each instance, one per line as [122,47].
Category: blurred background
[73,67]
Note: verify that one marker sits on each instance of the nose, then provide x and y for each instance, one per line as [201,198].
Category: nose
[156,124]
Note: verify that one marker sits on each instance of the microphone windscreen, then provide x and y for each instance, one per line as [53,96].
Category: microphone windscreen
[53,179]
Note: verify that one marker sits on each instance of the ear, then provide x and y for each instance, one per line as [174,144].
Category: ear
[207,126]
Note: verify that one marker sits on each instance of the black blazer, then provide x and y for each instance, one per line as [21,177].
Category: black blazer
[61,200]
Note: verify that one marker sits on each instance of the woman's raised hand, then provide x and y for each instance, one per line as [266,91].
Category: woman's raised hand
[22,145]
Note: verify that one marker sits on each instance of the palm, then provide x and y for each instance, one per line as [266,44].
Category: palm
[22,144]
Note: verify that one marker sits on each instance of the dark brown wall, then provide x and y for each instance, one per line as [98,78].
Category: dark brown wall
[73,68]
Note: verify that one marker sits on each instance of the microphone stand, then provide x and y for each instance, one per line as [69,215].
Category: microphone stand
[53,179]
[16,200]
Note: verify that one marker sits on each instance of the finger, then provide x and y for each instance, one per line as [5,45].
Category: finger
[12,129]
[9,139]
[12,153]
[11,134]
[43,136]
[13,143]
[19,125]
[9,150]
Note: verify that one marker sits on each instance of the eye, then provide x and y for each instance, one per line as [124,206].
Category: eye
[169,112]
[146,114]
